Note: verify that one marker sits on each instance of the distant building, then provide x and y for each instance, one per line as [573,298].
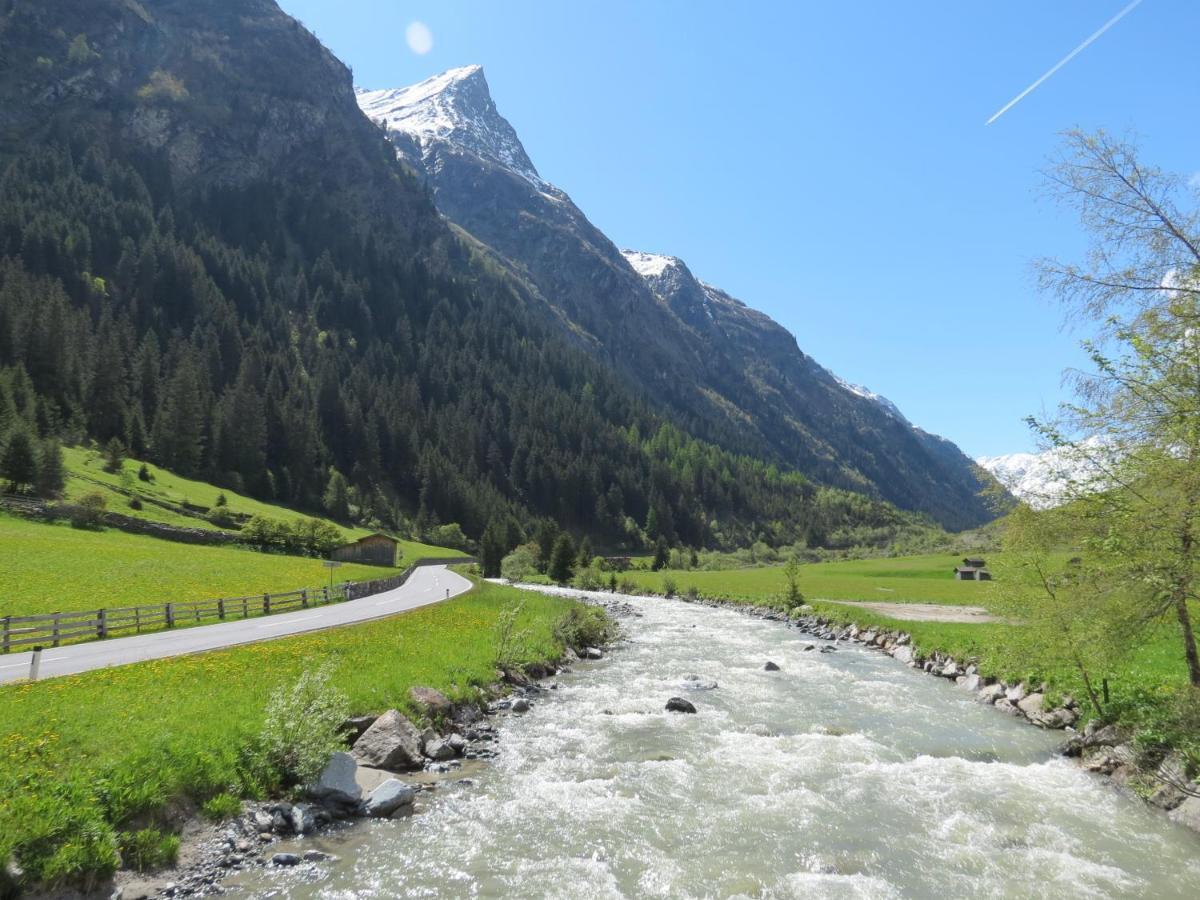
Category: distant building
[372,550]
[973,569]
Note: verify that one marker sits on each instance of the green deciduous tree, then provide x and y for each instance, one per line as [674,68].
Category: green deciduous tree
[1137,418]
[791,578]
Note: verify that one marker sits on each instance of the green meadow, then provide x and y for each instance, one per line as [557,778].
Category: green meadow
[56,568]
[913,579]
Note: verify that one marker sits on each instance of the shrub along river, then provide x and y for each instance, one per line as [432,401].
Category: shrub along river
[844,774]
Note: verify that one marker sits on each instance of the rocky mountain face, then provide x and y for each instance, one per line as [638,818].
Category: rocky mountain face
[731,373]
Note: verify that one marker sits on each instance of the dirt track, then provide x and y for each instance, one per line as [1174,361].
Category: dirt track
[923,612]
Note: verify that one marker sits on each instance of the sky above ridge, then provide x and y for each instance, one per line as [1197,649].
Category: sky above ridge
[828,164]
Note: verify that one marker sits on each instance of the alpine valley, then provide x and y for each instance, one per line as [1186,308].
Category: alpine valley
[733,375]
[210,255]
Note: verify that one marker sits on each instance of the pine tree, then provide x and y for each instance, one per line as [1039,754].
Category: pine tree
[492,549]
[337,497]
[547,535]
[562,560]
[585,553]
[179,424]
[51,474]
[18,463]
[662,554]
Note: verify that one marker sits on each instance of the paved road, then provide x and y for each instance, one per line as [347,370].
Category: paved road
[428,584]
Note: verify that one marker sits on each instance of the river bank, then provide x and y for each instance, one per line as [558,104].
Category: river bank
[393,763]
[836,773]
[99,767]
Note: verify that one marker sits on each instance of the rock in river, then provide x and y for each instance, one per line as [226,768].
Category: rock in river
[770,667]
[678,704]
[392,742]
[389,797]
[337,781]
[439,750]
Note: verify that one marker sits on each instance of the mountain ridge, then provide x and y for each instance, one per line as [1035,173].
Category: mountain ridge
[736,376]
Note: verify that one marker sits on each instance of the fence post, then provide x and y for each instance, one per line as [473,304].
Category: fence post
[57,628]
[220,608]
[7,627]
[137,619]
[102,624]
[266,604]
[170,615]
[304,599]
[245,608]
[324,591]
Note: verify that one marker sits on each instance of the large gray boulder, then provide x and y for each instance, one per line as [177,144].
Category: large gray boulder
[390,796]
[392,742]
[337,783]
[1031,705]
[903,653]
[1187,813]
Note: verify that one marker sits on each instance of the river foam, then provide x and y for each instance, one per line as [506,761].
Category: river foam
[844,774]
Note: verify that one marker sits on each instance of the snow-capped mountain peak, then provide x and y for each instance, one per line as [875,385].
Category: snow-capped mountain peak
[453,108]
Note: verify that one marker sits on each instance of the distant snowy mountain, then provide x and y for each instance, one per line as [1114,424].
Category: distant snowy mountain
[1048,478]
[454,108]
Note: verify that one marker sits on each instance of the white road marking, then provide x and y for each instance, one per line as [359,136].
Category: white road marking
[277,624]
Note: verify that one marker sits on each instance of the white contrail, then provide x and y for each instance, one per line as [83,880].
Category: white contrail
[1066,59]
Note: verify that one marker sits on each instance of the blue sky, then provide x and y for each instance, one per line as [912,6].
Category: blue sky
[828,163]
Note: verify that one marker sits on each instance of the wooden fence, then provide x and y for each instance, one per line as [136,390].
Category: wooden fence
[54,628]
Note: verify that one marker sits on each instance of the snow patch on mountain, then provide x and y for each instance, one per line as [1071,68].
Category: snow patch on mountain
[878,399]
[649,265]
[455,109]
[1051,477]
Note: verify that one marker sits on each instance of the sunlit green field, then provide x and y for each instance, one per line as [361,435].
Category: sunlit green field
[917,579]
[86,755]
[57,568]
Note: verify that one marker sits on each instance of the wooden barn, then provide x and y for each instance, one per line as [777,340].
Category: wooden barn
[372,550]
[973,569]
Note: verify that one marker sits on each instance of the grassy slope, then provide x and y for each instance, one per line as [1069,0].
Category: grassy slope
[145,734]
[57,568]
[925,579]
[86,467]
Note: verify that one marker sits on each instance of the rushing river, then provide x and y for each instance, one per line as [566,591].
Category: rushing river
[845,774]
